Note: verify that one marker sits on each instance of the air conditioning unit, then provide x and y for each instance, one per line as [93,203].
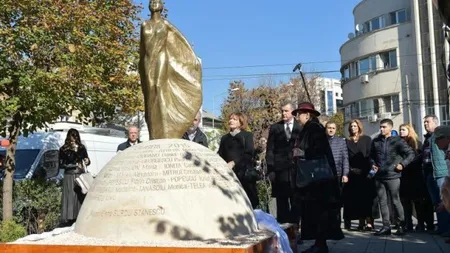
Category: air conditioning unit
[372,118]
[364,78]
[386,115]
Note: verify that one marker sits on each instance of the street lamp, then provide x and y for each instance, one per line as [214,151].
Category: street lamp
[214,98]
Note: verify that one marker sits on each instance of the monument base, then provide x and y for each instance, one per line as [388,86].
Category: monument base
[258,242]
[255,243]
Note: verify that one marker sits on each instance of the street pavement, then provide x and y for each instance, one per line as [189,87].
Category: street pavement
[366,242]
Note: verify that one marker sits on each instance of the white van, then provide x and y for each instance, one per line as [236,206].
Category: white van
[38,154]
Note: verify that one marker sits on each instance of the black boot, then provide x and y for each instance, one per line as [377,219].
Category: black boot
[383,231]
[400,231]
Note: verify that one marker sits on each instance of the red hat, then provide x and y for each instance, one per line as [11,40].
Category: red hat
[305,107]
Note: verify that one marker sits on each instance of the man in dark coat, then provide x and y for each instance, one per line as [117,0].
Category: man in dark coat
[279,161]
[195,134]
[390,155]
[133,139]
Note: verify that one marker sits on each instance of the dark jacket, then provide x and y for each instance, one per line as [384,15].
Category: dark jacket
[279,157]
[199,138]
[387,153]
[125,145]
[340,153]
[240,149]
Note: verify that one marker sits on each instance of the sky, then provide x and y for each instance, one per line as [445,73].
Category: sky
[257,40]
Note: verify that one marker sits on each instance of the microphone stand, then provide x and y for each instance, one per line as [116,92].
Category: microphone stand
[299,68]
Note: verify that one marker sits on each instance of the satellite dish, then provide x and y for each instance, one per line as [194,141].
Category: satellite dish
[351,35]
[359,27]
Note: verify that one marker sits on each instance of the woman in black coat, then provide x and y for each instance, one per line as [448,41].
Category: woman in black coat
[359,194]
[319,201]
[237,149]
[73,158]
[413,189]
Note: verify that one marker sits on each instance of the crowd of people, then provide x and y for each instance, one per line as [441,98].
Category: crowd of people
[392,176]
[315,174]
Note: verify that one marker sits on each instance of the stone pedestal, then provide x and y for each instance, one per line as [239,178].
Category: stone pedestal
[166,190]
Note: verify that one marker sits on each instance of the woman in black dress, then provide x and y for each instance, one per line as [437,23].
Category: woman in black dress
[360,202]
[73,158]
[237,149]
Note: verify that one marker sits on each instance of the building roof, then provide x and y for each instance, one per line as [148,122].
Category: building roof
[209,115]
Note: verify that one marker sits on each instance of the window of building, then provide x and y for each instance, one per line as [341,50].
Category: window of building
[346,72]
[375,23]
[398,17]
[330,101]
[387,104]
[337,94]
[348,111]
[373,63]
[354,110]
[364,66]
[392,103]
[339,103]
[395,103]
[355,69]
[376,106]
[389,59]
[366,108]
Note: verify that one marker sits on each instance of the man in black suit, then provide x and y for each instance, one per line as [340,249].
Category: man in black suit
[280,169]
[133,139]
[195,134]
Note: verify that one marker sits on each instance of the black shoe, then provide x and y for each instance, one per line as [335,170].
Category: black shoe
[383,231]
[347,224]
[420,228]
[400,231]
[315,249]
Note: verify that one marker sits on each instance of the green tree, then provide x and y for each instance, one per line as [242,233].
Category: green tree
[262,104]
[59,56]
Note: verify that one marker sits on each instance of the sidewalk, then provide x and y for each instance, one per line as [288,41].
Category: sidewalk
[366,242]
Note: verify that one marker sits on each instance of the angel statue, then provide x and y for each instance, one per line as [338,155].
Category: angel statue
[171,76]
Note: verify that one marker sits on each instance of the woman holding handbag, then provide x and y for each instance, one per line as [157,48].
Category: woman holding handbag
[317,182]
[73,158]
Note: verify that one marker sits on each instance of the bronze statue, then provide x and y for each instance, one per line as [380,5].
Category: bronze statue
[171,76]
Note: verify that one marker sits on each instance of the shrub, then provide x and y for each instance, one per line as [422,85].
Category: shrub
[36,205]
[264,194]
[11,231]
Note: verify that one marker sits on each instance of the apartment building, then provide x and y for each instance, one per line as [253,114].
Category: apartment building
[393,64]
[331,95]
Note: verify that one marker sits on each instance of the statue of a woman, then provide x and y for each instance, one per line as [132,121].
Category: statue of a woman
[171,77]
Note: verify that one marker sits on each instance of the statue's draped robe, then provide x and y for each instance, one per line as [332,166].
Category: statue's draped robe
[170,78]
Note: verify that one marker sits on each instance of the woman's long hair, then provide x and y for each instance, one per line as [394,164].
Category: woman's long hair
[72,133]
[412,139]
[360,130]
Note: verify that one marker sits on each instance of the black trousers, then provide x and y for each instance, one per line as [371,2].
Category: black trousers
[393,188]
[288,209]
[424,211]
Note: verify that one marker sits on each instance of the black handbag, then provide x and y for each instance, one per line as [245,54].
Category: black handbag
[309,171]
[312,171]
[250,174]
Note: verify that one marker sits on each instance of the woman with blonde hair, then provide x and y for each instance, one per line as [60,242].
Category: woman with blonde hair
[359,193]
[413,189]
